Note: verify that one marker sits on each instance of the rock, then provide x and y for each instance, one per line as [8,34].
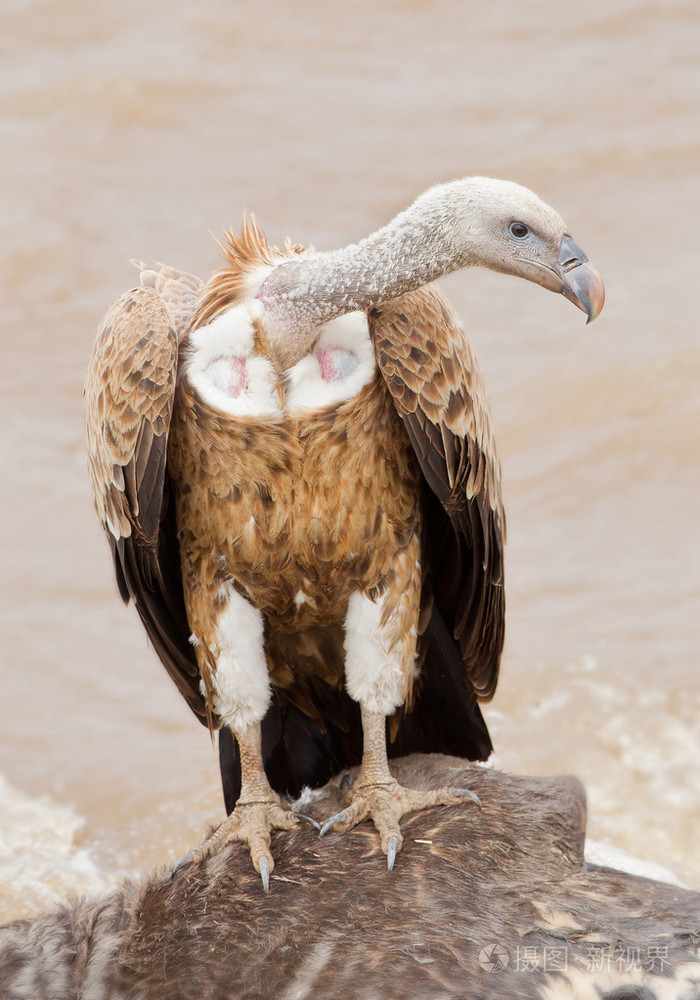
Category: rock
[497,903]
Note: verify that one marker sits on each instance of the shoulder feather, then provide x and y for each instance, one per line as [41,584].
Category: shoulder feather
[178,291]
[128,401]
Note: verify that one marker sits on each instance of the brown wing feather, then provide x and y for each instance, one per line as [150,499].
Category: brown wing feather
[178,291]
[129,395]
[432,374]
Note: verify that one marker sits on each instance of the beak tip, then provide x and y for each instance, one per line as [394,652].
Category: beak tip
[584,287]
[593,310]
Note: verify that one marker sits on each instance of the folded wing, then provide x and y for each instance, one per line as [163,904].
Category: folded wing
[431,372]
[129,395]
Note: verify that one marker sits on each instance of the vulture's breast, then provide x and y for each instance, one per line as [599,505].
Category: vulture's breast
[229,370]
[300,487]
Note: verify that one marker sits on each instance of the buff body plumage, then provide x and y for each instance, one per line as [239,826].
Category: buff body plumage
[296,469]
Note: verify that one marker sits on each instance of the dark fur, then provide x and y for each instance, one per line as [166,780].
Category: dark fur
[336,925]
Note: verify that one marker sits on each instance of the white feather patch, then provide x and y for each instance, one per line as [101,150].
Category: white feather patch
[341,364]
[226,372]
[241,682]
[375,671]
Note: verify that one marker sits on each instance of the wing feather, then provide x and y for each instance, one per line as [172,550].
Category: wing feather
[178,291]
[129,394]
[432,374]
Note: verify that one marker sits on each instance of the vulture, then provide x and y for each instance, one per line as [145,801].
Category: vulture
[295,466]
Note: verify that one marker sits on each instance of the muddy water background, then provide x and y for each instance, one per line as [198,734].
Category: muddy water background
[131,131]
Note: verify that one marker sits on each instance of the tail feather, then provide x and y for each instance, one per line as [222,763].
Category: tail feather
[446,717]
[230,765]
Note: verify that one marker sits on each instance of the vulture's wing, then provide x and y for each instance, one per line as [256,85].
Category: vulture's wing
[129,395]
[178,291]
[431,372]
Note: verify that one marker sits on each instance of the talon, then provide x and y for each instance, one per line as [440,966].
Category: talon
[186,859]
[465,793]
[308,819]
[330,823]
[264,869]
[391,853]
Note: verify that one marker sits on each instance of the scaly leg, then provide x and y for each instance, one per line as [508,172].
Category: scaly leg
[240,697]
[380,647]
[258,812]
[378,796]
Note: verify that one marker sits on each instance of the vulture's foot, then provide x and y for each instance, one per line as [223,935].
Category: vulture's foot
[385,803]
[251,823]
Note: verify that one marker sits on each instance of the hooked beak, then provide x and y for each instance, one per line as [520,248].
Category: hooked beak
[581,283]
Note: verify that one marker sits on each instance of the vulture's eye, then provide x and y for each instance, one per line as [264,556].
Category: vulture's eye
[519,230]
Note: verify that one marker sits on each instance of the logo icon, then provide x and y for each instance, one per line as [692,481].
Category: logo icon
[494,958]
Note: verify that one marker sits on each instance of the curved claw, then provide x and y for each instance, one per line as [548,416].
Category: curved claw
[308,819]
[465,793]
[347,781]
[391,853]
[186,859]
[264,871]
[330,823]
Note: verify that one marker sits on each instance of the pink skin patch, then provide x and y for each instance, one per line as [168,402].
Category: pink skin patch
[228,375]
[237,380]
[336,363]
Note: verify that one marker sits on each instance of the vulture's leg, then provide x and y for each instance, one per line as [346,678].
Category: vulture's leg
[258,812]
[380,656]
[378,796]
[240,697]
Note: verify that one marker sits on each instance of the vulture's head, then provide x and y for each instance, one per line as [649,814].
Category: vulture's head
[505,227]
